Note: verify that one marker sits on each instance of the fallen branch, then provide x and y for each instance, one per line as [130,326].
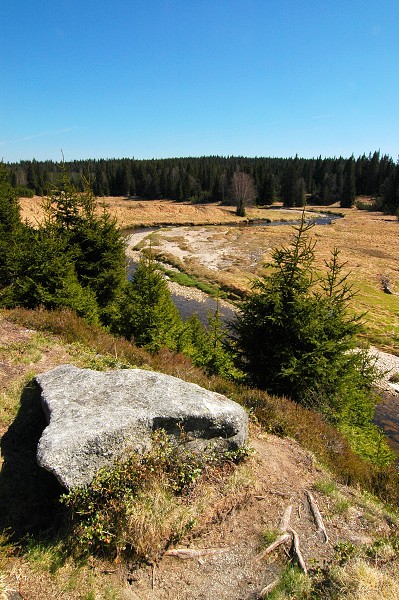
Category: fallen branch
[277,542]
[269,588]
[185,553]
[285,519]
[317,515]
[297,551]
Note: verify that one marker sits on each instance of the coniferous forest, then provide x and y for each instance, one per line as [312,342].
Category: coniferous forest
[320,181]
[293,338]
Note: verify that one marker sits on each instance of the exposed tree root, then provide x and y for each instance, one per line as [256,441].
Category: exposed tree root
[269,588]
[185,553]
[297,550]
[317,516]
[282,539]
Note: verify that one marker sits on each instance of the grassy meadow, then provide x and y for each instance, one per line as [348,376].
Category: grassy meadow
[368,244]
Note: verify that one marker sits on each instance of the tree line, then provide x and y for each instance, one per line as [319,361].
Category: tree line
[293,181]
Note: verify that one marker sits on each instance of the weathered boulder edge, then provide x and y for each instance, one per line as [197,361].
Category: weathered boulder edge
[95,418]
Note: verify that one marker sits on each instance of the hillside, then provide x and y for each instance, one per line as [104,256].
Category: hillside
[225,514]
[242,512]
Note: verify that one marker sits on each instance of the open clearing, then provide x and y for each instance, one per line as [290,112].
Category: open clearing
[231,256]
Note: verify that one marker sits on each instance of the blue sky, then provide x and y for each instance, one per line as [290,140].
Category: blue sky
[164,78]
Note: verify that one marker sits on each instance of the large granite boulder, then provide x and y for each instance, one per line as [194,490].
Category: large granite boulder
[96,417]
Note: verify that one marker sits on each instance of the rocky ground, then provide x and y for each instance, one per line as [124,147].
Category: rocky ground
[388,365]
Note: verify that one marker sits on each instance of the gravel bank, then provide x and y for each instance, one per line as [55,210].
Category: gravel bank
[388,365]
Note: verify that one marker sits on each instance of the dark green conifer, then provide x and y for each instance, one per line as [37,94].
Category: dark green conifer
[349,187]
[148,315]
[296,337]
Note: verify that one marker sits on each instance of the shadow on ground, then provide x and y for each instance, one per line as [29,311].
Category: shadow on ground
[28,494]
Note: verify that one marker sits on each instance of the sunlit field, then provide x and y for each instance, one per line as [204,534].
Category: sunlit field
[230,256]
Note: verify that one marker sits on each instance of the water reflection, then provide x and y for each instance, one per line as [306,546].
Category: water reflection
[387,417]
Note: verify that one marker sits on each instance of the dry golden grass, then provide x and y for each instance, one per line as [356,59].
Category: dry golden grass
[368,244]
[136,213]
[359,580]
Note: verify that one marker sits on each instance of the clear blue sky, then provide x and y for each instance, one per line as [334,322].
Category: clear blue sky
[164,78]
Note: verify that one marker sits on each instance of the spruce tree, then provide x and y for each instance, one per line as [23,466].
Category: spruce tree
[74,259]
[296,337]
[207,346]
[147,313]
[93,239]
[349,186]
[43,274]
[10,225]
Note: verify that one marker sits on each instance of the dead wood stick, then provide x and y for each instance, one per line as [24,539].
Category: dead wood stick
[277,542]
[193,553]
[317,516]
[285,519]
[297,550]
[269,588]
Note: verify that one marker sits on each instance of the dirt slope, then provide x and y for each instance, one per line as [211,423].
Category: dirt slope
[282,472]
[276,475]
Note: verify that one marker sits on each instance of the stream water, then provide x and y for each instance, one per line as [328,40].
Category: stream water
[318,219]
[386,416]
[387,412]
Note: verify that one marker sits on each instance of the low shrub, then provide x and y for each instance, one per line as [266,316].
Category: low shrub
[143,503]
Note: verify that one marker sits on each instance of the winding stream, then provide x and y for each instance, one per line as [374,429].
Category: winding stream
[386,416]
[191,301]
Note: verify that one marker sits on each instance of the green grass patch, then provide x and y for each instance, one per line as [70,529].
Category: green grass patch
[326,487]
[292,584]
[381,315]
[186,280]
[10,398]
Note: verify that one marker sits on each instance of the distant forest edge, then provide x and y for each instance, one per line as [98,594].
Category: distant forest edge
[294,181]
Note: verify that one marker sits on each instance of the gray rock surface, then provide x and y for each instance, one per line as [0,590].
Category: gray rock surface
[96,417]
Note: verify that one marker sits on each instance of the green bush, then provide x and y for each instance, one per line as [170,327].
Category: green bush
[24,192]
[296,337]
[133,507]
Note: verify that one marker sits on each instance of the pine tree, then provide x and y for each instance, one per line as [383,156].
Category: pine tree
[207,346]
[288,184]
[300,192]
[10,226]
[267,194]
[43,274]
[148,314]
[94,240]
[349,187]
[74,259]
[295,335]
